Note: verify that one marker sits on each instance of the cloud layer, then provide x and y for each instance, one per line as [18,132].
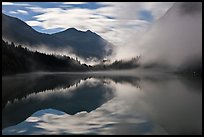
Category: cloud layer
[176,38]
[111,20]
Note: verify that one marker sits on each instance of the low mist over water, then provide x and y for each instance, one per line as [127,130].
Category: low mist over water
[101,103]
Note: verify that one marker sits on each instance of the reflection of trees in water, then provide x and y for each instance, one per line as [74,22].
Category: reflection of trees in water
[88,93]
[20,86]
[134,81]
[83,97]
[37,92]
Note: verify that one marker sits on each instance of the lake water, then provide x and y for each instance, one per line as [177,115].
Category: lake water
[101,103]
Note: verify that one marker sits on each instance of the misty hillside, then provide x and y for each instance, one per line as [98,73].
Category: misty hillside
[175,40]
[83,44]
[118,64]
[16,59]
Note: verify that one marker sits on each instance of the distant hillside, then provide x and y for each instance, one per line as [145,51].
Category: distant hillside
[118,64]
[16,59]
[84,44]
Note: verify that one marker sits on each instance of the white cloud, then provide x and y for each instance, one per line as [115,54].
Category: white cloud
[7,3]
[14,4]
[43,10]
[130,10]
[22,12]
[33,23]
[19,12]
[157,8]
[13,12]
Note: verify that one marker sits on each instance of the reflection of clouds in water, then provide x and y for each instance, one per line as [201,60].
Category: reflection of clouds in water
[110,118]
[114,117]
[73,100]
[42,95]
[161,106]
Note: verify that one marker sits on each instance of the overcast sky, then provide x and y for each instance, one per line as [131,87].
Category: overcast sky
[111,20]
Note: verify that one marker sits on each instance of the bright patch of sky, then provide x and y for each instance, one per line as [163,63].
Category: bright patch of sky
[111,20]
[146,15]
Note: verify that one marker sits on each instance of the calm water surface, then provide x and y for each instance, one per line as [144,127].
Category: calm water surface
[101,103]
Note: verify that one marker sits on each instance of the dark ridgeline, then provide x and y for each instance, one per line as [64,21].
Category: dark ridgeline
[119,64]
[16,59]
[85,44]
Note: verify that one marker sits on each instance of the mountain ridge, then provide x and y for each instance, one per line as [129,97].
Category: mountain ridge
[85,44]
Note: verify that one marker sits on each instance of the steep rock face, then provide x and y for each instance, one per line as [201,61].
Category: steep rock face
[84,44]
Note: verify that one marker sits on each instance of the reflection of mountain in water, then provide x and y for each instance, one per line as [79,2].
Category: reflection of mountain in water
[68,93]
[23,85]
[20,86]
[113,104]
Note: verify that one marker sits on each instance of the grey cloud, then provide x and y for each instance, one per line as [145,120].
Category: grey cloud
[190,7]
[172,40]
